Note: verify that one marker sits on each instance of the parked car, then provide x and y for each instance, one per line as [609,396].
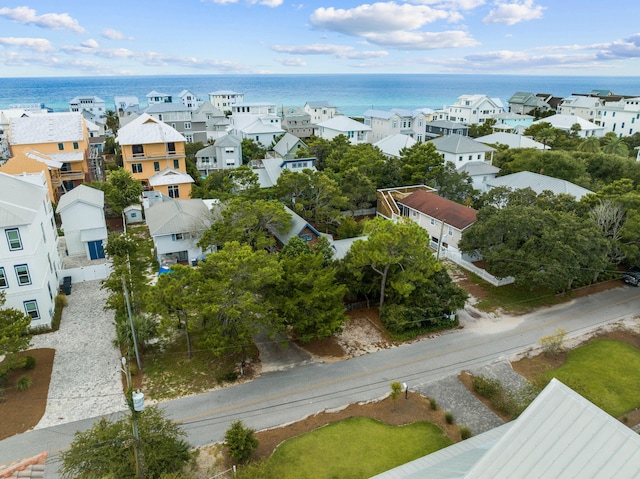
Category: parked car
[632,276]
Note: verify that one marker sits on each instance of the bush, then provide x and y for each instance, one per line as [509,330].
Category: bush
[433,403]
[486,387]
[240,441]
[23,383]
[29,363]
[465,432]
[60,303]
[448,417]
[554,344]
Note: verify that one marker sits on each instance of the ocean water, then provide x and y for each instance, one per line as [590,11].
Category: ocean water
[352,94]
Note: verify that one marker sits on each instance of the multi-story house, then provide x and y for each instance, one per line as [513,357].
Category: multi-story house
[585,107]
[189,100]
[524,102]
[459,149]
[154,97]
[5,116]
[621,117]
[92,104]
[343,125]
[471,109]
[394,122]
[287,147]
[154,153]
[224,100]
[256,121]
[437,128]
[126,105]
[567,123]
[512,121]
[225,153]
[57,144]
[200,125]
[29,258]
[297,122]
[320,111]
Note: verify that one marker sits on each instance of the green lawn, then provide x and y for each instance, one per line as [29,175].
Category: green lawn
[604,371]
[355,448]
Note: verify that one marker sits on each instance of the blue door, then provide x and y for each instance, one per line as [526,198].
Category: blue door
[96,251]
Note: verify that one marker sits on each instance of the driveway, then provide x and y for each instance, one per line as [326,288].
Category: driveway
[86,378]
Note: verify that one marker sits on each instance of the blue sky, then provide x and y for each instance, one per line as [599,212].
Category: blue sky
[114,37]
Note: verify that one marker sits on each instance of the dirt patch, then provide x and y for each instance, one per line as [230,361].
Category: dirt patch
[32,402]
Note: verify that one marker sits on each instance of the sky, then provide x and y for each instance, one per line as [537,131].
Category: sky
[44,38]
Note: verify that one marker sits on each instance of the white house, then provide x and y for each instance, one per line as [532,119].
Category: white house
[343,125]
[512,140]
[320,111]
[126,105]
[394,122]
[584,106]
[471,109]
[480,172]
[225,99]
[256,121]
[92,104]
[270,169]
[154,97]
[566,122]
[189,100]
[621,118]
[176,226]
[29,258]
[133,214]
[225,153]
[85,228]
[288,146]
[392,145]
[538,183]
[459,149]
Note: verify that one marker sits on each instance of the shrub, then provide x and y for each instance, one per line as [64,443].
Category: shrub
[486,387]
[433,403]
[60,303]
[448,417]
[23,383]
[554,344]
[240,441]
[465,432]
[29,362]
[396,390]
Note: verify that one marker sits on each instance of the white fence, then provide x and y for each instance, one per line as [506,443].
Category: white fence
[87,273]
[456,258]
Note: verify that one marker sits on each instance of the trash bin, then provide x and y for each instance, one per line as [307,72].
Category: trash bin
[66,285]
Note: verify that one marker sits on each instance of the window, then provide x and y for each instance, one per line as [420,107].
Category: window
[306,237]
[60,146]
[173,191]
[136,167]
[171,148]
[433,221]
[187,125]
[189,138]
[3,278]
[450,231]
[75,145]
[137,150]
[176,164]
[156,166]
[395,124]
[31,308]
[13,237]
[460,158]
[22,272]
[178,236]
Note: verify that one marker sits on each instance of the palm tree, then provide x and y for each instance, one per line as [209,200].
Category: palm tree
[590,145]
[112,121]
[614,145]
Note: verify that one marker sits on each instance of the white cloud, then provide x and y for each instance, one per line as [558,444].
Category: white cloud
[422,40]
[53,21]
[375,18]
[512,13]
[91,43]
[451,4]
[268,3]
[337,51]
[113,34]
[35,44]
[291,62]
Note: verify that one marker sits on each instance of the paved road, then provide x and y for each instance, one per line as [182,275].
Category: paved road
[280,397]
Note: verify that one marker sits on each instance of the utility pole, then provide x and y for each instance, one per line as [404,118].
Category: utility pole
[135,400]
[133,330]
[440,241]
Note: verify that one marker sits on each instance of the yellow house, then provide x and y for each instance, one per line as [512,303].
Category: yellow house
[55,143]
[154,154]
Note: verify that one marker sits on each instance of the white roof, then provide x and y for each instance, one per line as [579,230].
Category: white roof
[83,194]
[224,92]
[286,143]
[460,144]
[538,183]
[391,145]
[43,158]
[19,200]
[565,122]
[169,176]
[511,140]
[477,168]
[145,129]
[50,128]
[344,123]
[177,216]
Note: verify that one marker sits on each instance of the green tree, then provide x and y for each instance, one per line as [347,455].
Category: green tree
[14,335]
[121,190]
[397,251]
[614,145]
[420,164]
[252,150]
[590,145]
[358,188]
[112,121]
[453,185]
[248,222]
[106,450]
[311,298]
[240,441]
[483,129]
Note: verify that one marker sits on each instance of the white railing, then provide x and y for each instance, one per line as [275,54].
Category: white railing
[87,273]
[456,257]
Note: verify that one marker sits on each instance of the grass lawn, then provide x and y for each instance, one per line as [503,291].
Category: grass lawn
[605,372]
[355,448]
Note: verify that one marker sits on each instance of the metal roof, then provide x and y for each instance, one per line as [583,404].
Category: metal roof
[145,130]
[83,194]
[460,144]
[50,128]
[20,200]
[177,216]
[512,140]
[538,183]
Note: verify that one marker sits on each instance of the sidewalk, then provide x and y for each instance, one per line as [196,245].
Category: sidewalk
[86,378]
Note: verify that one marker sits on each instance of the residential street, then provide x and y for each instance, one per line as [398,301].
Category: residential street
[280,397]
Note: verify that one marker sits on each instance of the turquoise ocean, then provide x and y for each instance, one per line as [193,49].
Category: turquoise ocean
[351,93]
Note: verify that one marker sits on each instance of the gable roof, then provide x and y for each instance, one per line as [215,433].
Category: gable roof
[565,122]
[452,125]
[391,145]
[475,168]
[145,129]
[452,213]
[460,144]
[512,140]
[177,216]
[170,176]
[82,194]
[298,225]
[20,200]
[539,183]
[344,123]
[49,128]
[286,144]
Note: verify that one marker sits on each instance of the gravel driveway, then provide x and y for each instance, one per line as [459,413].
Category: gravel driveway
[86,377]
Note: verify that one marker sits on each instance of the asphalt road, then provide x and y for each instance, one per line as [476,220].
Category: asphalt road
[280,397]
